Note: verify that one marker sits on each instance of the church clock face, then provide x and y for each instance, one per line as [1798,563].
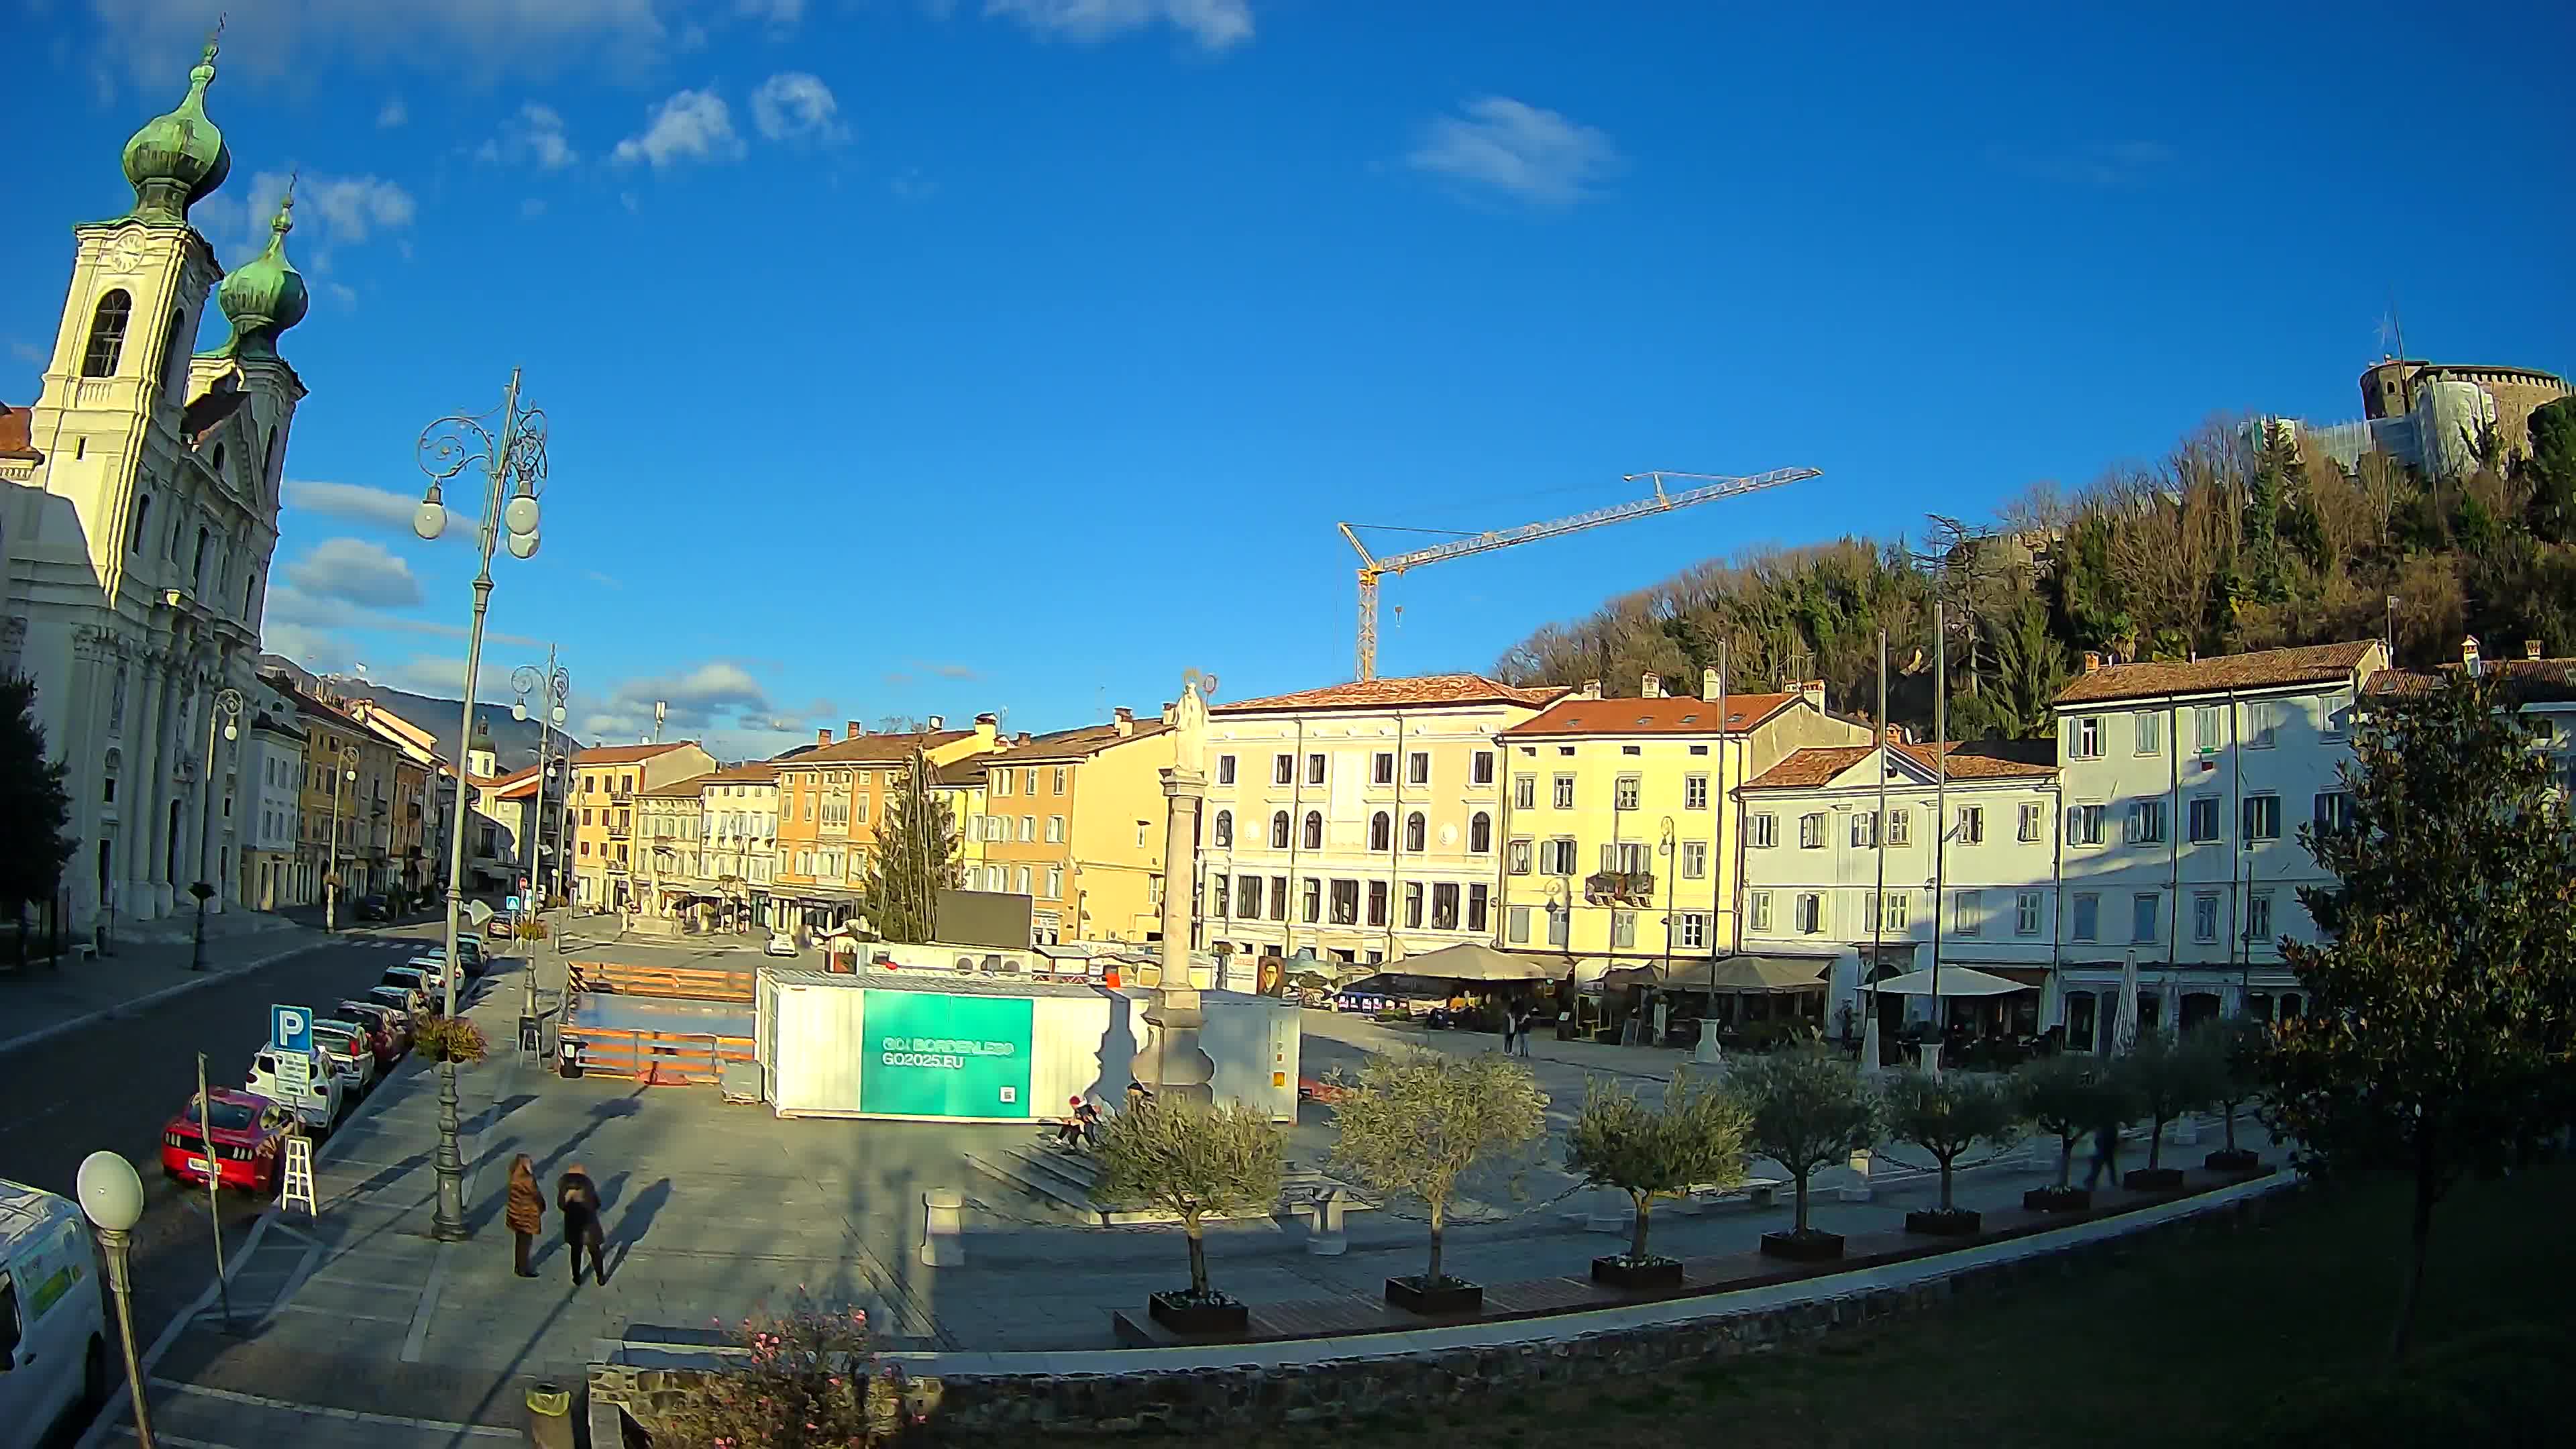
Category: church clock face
[125,254]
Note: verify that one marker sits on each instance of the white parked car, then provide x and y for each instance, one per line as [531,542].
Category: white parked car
[53,1330]
[780,944]
[314,1093]
[351,1055]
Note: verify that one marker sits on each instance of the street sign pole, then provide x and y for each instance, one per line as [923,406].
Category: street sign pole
[214,1173]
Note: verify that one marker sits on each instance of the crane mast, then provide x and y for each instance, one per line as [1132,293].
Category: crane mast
[1711,487]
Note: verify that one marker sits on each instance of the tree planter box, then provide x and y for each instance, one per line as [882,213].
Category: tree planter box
[1182,1314]
[2231,1159]
[1453,1296]
[1652,1276]
[2056,1199]
[1812,1246]
[2152,1179]
[1958,1222]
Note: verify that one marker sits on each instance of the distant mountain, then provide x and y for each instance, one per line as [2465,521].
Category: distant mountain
[514,742]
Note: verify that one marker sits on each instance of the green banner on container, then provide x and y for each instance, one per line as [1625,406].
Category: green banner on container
[931,1055]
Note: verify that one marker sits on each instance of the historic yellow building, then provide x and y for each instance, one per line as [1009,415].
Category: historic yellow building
[833,798]
[1074,821]
[1620,845]
[605,873]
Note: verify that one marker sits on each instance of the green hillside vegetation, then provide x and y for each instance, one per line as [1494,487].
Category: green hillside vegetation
[2234,542]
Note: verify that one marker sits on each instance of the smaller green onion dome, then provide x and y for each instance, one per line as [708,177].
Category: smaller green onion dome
[265,295]
[179,159]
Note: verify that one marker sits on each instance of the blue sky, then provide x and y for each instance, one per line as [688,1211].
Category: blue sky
[918,358]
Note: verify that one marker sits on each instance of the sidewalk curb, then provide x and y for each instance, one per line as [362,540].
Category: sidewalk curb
[154,998]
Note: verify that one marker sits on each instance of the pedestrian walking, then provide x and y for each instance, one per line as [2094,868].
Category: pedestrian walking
[1528,1023]
[526,1213]
[2106,1155]
[1511,1027]
[577,1198]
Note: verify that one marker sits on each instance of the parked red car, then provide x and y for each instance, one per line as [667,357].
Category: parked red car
[250,1135]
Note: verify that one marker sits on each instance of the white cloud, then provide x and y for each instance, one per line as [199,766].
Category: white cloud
[534,135]
[442,676]
[341,292]
[27,352]
[1214,24]
[690,126]
[329,210]
[356,571]
[795,106]
[1520,150]
[316,649]
[356,503]
[718,700]
[781,13]
[394,114]
[157,40]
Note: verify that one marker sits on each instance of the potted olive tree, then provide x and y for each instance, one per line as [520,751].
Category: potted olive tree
[1808,1110]
[1411,1125]
[2069,1096]
[2168,1076]
[2237,1046]
[1194,1161]
[1693,1139]
[1946,1116]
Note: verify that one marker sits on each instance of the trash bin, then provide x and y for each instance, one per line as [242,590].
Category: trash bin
[550,1416]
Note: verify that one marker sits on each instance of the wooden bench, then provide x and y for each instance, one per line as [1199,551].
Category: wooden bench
[1761,1192]
[682,983]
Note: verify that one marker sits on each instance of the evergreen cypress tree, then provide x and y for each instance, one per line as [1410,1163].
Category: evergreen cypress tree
[915,859]
[34,846]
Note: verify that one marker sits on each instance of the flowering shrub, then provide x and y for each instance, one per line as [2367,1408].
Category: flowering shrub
[806,1378]
[451,1039]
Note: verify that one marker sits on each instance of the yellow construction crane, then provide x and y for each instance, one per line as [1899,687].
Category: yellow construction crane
[1711,487]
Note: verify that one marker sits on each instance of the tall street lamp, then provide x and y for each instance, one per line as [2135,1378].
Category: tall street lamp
[112,1198]
[345,776]
[513,465]
[227,714]
[553,687]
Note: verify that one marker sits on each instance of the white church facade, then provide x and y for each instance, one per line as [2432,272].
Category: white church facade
[138,522]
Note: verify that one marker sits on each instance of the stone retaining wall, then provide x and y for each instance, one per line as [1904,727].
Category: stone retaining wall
[1210,1401]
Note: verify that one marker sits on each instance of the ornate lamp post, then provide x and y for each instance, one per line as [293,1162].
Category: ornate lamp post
[227,715]
[347,775]
[553,686]
[111,1196]
[513,465]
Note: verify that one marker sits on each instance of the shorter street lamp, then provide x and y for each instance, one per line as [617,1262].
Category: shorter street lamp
[331,878]
[112,1198]
[226,713]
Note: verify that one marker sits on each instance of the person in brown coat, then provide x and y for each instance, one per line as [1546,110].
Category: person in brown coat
[526,1214]
[578,1199]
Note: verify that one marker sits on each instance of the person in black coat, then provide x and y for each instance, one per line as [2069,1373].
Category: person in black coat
[577,1197]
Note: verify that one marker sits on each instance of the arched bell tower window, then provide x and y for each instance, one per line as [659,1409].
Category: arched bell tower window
[107,334]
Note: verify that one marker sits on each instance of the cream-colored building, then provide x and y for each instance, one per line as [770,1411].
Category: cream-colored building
[1363,820]
[1619,846]
[1074,820]
[601,810]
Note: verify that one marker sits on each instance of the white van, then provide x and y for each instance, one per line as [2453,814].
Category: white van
[53,1326]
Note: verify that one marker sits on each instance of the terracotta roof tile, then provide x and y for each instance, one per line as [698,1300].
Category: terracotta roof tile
[678,789]
[624,754]
[1974,760]
[1420,689]
[758,772]
[1669,715]
[17,435]
[877,749]
[2526,681]
[2265,668]
[1080,743]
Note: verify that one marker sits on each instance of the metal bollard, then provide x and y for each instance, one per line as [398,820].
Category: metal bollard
[550,1416]
[1858,1188]
[1325,1239]
[943,1225]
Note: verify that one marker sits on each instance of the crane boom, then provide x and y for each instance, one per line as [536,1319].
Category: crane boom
[1711,488]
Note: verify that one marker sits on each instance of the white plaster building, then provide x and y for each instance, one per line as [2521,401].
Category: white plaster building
[2184,786]
[140,516]
[271,799]
[1343,819]
[1816,852]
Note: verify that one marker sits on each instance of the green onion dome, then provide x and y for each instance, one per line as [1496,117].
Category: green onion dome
[265,295]
[179,159]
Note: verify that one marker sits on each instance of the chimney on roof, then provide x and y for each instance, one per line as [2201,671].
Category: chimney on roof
[1708,684]
[1021,738]
[2469,656]
[823,736]
[2092,660]
[1591,690]
[1896,734]
[1123,719]
[855,731]
[2531,649]
[1652,687]
[938,722]
[987,726]
[1814,690]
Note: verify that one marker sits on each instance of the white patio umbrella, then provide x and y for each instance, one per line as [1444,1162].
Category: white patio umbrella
[1955,981]
[2125,1031]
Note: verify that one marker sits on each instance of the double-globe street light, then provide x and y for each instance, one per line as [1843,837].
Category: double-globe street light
[226,716]
[346,775]
[513,462]
[553,687]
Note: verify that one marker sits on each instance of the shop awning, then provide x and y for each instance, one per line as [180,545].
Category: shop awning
[1751,973]
[1475,961]
[1955,981]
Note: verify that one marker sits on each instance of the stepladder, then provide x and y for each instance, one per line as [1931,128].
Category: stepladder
[295,1188]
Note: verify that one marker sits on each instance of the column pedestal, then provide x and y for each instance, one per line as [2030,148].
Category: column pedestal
[1182,1071]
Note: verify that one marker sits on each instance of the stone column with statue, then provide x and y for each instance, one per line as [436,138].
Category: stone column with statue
[1182,1071]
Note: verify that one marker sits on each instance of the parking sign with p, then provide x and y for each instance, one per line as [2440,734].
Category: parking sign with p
[290,1029]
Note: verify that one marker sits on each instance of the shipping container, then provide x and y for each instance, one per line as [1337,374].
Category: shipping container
[978,1048]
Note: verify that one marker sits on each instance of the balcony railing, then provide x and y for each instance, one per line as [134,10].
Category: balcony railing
[1619,887]
[620,832]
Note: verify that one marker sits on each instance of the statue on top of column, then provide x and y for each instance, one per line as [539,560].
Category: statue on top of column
[1189,723]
